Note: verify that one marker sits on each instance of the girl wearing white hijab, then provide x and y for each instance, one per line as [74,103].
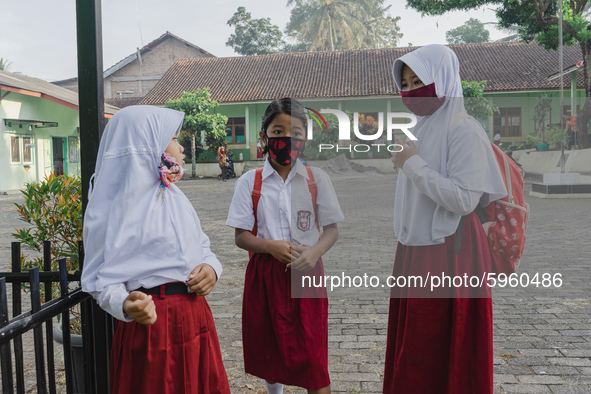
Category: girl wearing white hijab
[440,342]
[148,263]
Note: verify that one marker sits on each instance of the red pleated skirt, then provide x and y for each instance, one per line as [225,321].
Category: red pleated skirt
[285,339]
[441,345]
[180,353]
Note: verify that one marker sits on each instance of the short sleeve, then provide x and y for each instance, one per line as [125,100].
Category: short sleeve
[328,208]
[241,214]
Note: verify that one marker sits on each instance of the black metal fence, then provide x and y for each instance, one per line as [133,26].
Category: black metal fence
[86,367]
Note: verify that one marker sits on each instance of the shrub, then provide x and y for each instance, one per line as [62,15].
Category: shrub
[554,137]
[533,139]
[54,209]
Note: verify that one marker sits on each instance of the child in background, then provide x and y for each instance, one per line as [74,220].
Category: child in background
[259,149]
[222,161]
[285,339]
[148,263]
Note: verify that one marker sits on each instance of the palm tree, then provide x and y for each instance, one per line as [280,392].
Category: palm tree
[380,29]
[4,64]
[324,24]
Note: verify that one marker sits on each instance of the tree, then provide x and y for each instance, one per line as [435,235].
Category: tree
[198,108]
[381,29]
[254,36]
[471,31]
[323,25]
[474,102]
[328,25]
[4,64]
[535,20]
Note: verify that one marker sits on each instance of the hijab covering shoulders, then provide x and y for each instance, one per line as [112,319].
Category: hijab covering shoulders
[132,236]
[455,168]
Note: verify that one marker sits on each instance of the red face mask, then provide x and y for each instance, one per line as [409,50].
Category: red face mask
[422,101]
[285,150]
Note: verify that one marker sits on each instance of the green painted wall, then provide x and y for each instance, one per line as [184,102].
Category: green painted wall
[253,112]
[18,106]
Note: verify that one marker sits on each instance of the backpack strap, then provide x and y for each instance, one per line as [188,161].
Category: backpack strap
[256,196]
[314,193]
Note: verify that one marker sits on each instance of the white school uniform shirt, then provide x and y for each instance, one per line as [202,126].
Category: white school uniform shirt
[285,211]
[455,169]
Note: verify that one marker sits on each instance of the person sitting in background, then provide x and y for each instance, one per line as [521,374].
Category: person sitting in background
[497,139]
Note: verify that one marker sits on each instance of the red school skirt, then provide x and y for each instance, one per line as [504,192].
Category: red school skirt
[180,353]
[285,339]
[441,345]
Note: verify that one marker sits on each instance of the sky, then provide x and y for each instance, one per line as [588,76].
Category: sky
[39,36]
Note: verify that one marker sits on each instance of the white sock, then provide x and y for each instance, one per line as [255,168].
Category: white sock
[275,388]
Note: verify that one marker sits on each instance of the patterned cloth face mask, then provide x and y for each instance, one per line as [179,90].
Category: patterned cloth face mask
[170,172]
[285,150]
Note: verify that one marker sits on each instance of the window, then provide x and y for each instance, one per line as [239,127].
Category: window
[235,130]
[27,149]
[507,122]
[21,149]
[15,149]
[368,123]
[73,150]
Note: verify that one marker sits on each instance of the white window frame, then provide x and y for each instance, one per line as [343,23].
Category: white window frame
[21,149]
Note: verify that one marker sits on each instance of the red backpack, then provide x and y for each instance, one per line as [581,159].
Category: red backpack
[504,220]
[256,196]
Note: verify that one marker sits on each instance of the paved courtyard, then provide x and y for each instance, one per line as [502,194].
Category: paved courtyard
[542,336]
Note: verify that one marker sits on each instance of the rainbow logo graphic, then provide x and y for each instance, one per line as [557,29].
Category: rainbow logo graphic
[316,115]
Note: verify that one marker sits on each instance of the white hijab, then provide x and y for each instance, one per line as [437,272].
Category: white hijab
[131,236]
[475,169]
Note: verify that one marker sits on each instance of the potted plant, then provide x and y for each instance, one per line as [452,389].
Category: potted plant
[532,140]
[76,348]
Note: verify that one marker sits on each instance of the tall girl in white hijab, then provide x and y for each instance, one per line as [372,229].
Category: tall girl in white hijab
[440,342]
[144,251]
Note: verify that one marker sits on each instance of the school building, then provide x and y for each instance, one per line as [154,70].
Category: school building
[517,74]
[128,80]
[39,130]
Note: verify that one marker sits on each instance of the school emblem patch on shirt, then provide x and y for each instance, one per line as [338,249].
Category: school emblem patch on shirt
[304,220]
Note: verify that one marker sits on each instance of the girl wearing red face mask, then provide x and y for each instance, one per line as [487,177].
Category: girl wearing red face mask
[440,341]
[277,212]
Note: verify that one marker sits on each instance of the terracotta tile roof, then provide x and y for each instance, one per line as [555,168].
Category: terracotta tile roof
[507,66]
[124,102]
[510,66]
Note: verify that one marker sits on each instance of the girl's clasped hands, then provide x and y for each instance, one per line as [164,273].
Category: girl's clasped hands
[294,255]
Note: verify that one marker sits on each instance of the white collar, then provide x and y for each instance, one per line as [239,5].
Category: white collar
[299,168]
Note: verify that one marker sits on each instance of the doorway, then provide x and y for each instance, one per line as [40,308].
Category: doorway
[59,162]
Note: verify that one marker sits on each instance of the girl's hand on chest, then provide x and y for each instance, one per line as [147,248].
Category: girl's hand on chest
[410,149]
